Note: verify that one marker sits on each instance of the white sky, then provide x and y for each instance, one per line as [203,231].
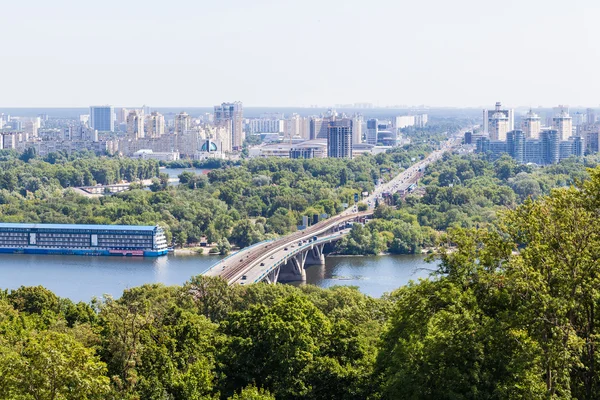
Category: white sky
[299,52]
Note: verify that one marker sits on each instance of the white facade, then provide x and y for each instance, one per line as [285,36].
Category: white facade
[135,124]
[154,125]
[183,122]
[499,126]
[564,125]
[232,114]
[263,125]
[404,121]
[531,125]
[421,120]
[357,123]
[488,114]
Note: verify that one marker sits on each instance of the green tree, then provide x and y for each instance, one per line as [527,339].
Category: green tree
[51,365]
[34,300]
[223,247]
[284,337]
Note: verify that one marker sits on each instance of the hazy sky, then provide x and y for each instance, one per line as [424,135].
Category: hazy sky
[299,52]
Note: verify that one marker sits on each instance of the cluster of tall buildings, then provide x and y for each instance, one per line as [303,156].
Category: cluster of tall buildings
[182,134]
[142,132]
[45,136]
[295,128]
[14,130]
[535,142]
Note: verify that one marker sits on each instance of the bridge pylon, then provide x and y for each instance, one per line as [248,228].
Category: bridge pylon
[315,255]
[293,269]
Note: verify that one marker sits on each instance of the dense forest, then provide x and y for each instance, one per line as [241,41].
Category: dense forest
[240,203]
[459,190]
[510,314]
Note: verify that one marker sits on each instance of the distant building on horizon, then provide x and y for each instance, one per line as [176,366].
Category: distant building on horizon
[101,118]
[545,150]
[154,125]
[135,124]
[590,116]
[183,123]
[531,125]
[498,122]
[372,131]
[421,120]
[339,138]
[232,114]
[563,123]
[357,122]
[318,128]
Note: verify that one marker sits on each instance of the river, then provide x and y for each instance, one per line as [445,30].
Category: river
[80,278]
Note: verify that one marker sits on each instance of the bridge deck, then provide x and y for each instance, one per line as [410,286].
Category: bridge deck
[235,266]
[255,262]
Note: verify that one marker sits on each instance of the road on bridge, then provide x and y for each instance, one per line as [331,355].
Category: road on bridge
[237,265]
[252,263]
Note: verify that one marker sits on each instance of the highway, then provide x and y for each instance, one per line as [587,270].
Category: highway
[409,176]
[252,263]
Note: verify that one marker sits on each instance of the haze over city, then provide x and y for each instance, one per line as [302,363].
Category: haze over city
[464,53]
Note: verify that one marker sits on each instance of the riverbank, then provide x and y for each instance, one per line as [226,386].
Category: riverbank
[195,251]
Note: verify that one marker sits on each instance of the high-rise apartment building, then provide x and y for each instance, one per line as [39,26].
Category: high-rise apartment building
[488,114]
[499,123]
[403,121]
[154,125]
[233,115]
[122,114]
[563,124]
[135,124]
[357,122]
[318,128]
[551,146]
[515,145]
[101,118]
[531,125]
[339,138]
[183,123]
[296,126]
[421,120]
[591,116]
[266,125]
[578,119]
[372,131]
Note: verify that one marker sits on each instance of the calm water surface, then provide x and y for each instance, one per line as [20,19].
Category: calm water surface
[80,278]
[372,275]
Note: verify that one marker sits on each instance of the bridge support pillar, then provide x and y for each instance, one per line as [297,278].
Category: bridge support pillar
[273,276]
[315,255]
[293,269]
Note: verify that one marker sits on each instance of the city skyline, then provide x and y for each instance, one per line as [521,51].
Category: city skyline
[432,52]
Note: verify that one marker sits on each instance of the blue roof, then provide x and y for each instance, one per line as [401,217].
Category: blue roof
[79,226]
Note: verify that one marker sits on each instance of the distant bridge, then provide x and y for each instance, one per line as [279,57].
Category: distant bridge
[285,258]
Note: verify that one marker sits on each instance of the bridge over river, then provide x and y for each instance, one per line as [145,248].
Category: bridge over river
[285,258]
